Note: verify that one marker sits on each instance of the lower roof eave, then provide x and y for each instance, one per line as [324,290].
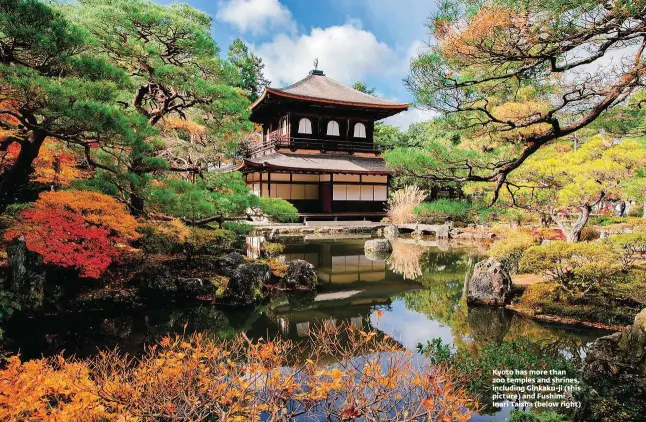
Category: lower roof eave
[250,166]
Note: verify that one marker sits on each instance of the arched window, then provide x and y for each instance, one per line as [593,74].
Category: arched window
[359,130]
[305,126]
[283,125]
[332,128]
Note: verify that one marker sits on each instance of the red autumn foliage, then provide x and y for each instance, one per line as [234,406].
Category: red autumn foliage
[84,230]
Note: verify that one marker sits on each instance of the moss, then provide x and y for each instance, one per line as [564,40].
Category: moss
[606,307]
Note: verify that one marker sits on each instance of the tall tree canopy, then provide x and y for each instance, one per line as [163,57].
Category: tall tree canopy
[518,75]
[174,72]
[248,69]
[51,86]
[116,78]
[559,181]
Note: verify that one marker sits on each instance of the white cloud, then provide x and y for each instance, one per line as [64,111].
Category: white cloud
[346,53]
[412,115]
[256,16]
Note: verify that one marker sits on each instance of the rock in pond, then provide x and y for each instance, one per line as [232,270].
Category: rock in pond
[300,274]
[490,284]
[391,232]
[377,246]
[246,283]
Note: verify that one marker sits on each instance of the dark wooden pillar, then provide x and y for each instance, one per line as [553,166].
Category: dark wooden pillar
[326,196]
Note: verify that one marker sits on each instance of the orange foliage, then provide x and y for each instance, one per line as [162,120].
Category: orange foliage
[347,374]
[55,165]
[490,27]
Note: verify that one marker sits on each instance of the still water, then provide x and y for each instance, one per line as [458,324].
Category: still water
[418,291]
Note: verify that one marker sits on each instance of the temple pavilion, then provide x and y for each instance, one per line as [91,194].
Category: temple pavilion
[317,149]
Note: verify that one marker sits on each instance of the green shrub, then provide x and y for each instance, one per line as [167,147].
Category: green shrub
[279,209]
[473,369]
[517,415]
[272,250]
[240,228]
[631,246]
[206,241]
[576,267]
[538,293]
[443,209]
[510,250]
[606,220]
[164,237]
[173,237]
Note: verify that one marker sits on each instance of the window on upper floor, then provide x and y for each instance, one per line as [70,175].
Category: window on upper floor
[359,130]
[305,126]
[333,128]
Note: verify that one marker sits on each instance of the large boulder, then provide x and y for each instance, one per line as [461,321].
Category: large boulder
[160,281]
[374,246]
[300,275]
[615,369]
[490,284]
[227,265]
[246,283]
[27,274]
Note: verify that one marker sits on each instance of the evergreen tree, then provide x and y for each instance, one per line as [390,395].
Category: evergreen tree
[249,69]
[174,72]
[360,86]
[52,87]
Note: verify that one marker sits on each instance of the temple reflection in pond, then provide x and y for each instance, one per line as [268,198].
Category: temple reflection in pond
[351,285]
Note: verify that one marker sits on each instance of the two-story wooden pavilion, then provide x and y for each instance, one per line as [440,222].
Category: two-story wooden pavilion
[317,149]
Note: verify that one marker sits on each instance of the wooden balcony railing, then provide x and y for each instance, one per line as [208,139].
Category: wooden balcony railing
[277,140]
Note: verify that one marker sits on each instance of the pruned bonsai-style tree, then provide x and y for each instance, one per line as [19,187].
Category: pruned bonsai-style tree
[515,76]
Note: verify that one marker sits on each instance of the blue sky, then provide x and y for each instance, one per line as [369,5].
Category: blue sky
[367,40]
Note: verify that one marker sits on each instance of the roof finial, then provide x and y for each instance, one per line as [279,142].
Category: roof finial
[316,70]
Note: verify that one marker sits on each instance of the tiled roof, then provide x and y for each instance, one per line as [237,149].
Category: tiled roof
[323,163]
[317,86]
[320,86]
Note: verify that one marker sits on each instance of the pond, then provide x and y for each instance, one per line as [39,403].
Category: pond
[414,295]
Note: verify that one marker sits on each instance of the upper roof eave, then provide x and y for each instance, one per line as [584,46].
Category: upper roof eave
[393,106]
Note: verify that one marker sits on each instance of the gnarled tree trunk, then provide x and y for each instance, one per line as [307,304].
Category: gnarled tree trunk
[573,232]
[18,174]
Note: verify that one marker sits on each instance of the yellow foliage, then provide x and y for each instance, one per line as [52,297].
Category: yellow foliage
[186,125]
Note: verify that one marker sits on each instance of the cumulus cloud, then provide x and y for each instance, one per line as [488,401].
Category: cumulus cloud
[412,115]
[256,16]
[346,53]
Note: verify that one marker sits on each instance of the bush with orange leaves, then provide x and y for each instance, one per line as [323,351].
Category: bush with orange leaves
[84,230]
[338,373]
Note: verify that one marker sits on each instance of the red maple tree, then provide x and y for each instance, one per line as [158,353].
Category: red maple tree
[84,230]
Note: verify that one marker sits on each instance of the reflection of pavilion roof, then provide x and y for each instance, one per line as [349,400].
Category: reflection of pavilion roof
[320,163]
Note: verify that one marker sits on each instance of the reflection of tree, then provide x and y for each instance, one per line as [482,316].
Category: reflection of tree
[441,298]
[405,259]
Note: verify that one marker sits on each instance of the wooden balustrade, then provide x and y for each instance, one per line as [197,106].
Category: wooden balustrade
[276,140]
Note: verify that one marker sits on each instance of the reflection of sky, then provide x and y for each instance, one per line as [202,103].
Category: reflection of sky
[410,327]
